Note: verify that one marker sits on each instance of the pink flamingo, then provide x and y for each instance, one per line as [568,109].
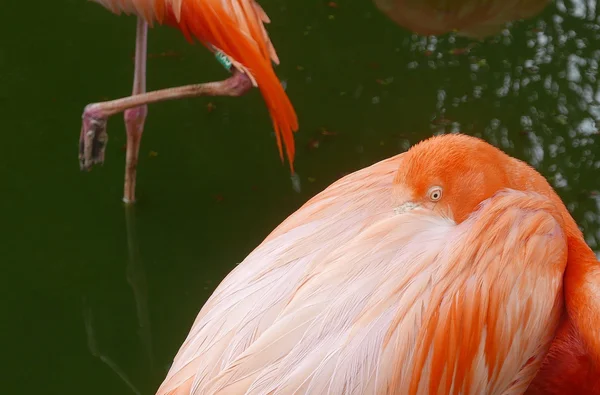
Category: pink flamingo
[232,29]
[449,269]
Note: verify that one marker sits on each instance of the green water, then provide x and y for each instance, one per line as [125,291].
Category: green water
[94,297]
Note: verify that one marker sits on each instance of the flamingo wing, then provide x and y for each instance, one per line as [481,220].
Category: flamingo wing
[250,298]
[416,304]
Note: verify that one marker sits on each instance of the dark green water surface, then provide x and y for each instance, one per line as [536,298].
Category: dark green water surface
[96,299]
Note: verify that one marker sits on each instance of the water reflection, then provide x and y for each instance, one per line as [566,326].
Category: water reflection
[88,319]
[136,277]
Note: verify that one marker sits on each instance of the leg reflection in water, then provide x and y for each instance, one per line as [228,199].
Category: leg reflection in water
[136,277]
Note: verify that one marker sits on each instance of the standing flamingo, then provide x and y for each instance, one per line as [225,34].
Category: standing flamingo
[470,18]
[445,269]
[233,30]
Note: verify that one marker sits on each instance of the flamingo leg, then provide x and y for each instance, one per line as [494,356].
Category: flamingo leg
[93,137]
[135,117]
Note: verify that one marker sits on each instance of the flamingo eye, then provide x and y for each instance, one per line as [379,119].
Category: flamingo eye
[435,193]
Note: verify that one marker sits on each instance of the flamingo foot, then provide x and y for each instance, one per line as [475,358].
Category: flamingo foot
[92,140]
[93,137]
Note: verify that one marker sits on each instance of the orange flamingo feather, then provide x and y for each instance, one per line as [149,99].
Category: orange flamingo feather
[239,34]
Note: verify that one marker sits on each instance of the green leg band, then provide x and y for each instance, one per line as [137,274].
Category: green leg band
[225,62]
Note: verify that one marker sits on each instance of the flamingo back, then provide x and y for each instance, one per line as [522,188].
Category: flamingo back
[348,297]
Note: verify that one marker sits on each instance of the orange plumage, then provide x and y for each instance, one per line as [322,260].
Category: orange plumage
[449,269]
[209,22]
[568,368]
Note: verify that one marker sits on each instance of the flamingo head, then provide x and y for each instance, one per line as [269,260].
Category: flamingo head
[451,175]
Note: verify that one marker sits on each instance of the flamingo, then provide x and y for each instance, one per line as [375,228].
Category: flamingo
[234,31]
[470,18]
[450,268]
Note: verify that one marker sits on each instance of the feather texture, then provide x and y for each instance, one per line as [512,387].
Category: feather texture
[269,275]
[347,297]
